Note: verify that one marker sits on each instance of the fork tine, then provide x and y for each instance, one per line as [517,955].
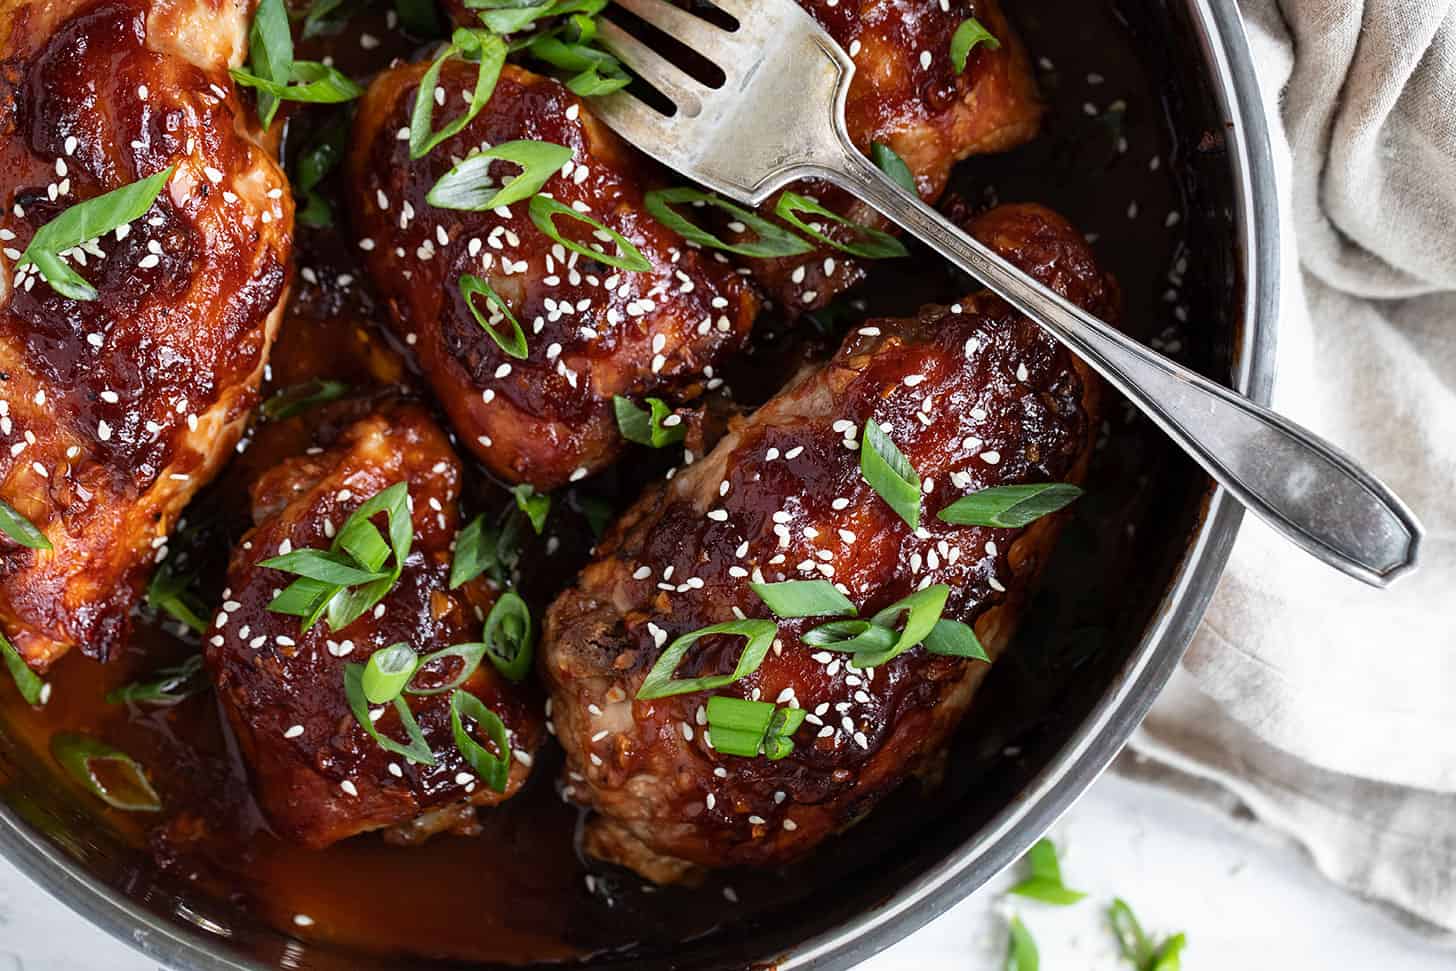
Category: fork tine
[684,91]
[703,37]
[737,9]
[641,125]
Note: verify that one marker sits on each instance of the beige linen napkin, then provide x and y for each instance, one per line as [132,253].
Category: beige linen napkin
[1330,708]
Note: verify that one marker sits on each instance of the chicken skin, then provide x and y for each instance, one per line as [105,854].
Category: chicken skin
[975,396]
[907,95]
[592,330]
[115,411]
[318,775]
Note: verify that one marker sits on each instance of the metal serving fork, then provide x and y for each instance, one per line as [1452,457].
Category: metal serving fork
[779,117]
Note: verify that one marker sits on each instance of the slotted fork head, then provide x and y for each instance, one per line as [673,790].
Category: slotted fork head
[778,117]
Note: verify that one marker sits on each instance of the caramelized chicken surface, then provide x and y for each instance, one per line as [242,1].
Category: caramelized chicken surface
[114,411]
[318,776]
[593,331]
[907,95]
[975,396]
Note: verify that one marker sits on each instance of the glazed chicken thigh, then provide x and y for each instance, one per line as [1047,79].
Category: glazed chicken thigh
[907,95]
[318,775]
[975,396]
[115,411]
[592,330]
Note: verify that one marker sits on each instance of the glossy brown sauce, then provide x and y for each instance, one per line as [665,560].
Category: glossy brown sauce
[519,892]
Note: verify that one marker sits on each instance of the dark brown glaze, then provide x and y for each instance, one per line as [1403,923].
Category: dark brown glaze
[593,331]
[114,412]
[917,105]
[318,775]
[975,396]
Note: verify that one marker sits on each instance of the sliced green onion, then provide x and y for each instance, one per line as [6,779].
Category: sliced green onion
[323,587]
[475,552]
[890,473]
[660,682]
[510,16]
[954,639]
[1045,883]
[970,33]
[773,240]
[317,160]
[468,186]
[470,656]
[544,210]
[536,505]
[83,222]
[744,728]
[110,774]
[804,598]
[27,682]
[418,750]
[593,81]
[1011,506]
[645,425]
[1169,956]
[922,609]
[513,342]
[388,670]
[510,636]
[299,398]
[1021,953]
[270,51]
[875,244]
[322,565]
[20,529]
[494,770]
[171,591]
[890,163]
[167,687]
[478,45]
[312,83]
[1137,947]
[852,636]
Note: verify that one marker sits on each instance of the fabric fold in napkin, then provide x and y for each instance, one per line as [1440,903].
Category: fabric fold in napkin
[1330,708]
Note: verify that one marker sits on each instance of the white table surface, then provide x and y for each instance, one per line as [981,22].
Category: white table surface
[1245,901]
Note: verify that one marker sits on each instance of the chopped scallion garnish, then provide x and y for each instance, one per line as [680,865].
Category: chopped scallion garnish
[646,425]
[890,163]
[922,609]
[954,639]
[308,81]
[773,240]
[970,33]
[320,157]
[543,212]
[1021,953]
[270,49]
[472,44]
[1137,947]
[536,505]
[167,687]
[513,341]
[493,770]
[740,727]
[468,186]
[299,398]
[107,772]
[1009,506]
[27,682]
[510,636]
[804,598]
[475,551]
[873,244]
[387,672]
[83,222]
[890,473]
[328,581]
[418,750]
[470,656]
[852,636]
[660,682]
[1045,883]
[20,529]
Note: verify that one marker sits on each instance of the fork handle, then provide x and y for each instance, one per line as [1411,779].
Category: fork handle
[1292,479]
